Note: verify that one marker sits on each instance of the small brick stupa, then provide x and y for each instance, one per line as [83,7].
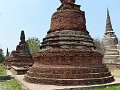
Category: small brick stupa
[21,57]
[109,39]
[68,55]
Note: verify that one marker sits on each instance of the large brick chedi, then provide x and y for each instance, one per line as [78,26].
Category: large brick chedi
[68,55]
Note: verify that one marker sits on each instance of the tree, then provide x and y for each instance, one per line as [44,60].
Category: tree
[2,58]
[34,44]
[99,45]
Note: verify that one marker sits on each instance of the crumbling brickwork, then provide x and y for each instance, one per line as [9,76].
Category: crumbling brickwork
[21,57]
[68,55]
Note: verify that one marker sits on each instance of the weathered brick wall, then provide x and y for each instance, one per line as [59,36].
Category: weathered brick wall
[72,57]
[68,20]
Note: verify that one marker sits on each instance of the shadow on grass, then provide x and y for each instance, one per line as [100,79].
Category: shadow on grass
[5,78]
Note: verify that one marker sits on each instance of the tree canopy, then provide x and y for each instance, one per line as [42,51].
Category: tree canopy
[99,45]
[2,58]
[34,44]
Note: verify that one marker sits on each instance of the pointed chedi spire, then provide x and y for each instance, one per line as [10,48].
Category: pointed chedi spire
[109,36]
[22,37]
[108,23]
[7,53]
[110,42]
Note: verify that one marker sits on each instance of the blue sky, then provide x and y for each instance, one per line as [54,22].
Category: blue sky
[33,16]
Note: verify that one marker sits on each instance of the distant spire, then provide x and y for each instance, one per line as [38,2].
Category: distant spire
[22,37]
[108,22]
[7,53]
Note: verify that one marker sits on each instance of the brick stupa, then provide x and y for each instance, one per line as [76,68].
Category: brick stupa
[110,43]
[21,57]
[109,39]
[68,55]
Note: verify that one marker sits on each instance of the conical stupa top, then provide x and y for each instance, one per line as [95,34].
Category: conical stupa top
[108,22]
[7,53]
[22,37]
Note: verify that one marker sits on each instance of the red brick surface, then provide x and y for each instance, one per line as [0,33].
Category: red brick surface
[21,56]
[68,55]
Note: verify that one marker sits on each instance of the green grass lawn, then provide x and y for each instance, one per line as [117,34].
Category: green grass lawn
[6,83]
[108,88]
[2,71]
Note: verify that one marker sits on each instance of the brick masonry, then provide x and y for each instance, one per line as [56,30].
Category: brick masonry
[21,57]
[68,55]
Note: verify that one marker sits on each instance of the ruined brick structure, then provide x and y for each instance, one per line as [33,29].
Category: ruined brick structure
[68,55]
[110,41]
[109,36]
[21,56]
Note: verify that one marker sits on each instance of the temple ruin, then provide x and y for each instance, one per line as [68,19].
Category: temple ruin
[110,41]
[21,59]
[68,55]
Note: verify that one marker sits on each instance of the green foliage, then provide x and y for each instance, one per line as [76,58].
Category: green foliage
[10,85]
[2,58]
[34,44]
[2,71]
[7,83]
[117,87]
[114,87]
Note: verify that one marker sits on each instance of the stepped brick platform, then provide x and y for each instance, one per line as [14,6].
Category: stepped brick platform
[68,55]
[111,55]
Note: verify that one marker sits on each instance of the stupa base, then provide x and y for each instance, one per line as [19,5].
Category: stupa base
[69,76]
[19,70]
[70,82]
[68,67]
